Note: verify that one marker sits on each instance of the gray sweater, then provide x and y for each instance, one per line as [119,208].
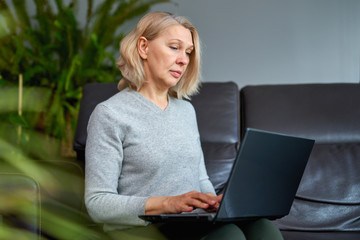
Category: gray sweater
[135,150]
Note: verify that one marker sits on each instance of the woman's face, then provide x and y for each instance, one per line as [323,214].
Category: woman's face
[167,56]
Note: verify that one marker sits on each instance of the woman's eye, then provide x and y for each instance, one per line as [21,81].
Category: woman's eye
[173,48]
[188,53]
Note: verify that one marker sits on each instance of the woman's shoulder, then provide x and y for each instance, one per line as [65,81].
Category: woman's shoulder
[184,103]
[118,100]
[183,106]
[114,105]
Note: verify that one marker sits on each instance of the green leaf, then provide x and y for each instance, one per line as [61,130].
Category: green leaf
[8,17]
[18,120]
[2,82]
[21,13]
[51,49]
[74,64]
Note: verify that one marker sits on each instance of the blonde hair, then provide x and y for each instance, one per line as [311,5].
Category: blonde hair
[130,62]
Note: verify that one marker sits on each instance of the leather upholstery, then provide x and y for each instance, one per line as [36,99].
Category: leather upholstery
[328,198]
[217,110]
[20,198]
[309,235]
[325,112]
[93,93]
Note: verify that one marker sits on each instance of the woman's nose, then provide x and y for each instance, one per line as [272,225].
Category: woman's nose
[183,58]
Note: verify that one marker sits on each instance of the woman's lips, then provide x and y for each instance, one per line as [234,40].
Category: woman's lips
[175,74]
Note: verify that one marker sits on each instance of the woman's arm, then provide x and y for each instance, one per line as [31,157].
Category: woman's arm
[104,157]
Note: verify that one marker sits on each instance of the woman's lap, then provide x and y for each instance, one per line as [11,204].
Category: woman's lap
[261,229]
[255,230]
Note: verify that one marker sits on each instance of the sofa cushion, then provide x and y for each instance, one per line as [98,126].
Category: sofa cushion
[219,159]
[336,164]
[328,198]
[297,235]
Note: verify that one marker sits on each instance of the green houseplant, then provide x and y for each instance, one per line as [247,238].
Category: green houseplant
[56,55]
[53,50]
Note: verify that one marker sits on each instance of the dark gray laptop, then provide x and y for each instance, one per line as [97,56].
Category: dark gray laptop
[262,183]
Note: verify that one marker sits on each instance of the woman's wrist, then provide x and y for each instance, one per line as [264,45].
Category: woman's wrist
[156,205]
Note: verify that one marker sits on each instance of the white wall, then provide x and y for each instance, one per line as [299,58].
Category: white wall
[275,41]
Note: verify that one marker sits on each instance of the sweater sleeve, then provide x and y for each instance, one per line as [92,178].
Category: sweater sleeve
[104,157]
[205,183]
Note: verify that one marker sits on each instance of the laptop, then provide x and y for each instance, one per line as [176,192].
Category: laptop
[263,181]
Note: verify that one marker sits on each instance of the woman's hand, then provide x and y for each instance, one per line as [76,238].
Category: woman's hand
[218,200]
[182,203]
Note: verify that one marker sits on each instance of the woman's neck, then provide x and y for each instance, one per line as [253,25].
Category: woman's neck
[157,96]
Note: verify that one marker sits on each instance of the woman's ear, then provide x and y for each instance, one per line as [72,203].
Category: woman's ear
[142,45]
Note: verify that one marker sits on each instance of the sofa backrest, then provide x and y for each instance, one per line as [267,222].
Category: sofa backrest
[217,108]
[92,94]
[328,197]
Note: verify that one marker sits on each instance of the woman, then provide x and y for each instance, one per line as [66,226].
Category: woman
[143,153]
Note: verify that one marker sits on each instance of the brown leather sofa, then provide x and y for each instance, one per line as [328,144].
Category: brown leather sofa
[327,205]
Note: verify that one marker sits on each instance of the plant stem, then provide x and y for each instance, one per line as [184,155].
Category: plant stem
[20,104]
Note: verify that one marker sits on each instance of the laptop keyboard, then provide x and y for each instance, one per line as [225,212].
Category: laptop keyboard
[199,212]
